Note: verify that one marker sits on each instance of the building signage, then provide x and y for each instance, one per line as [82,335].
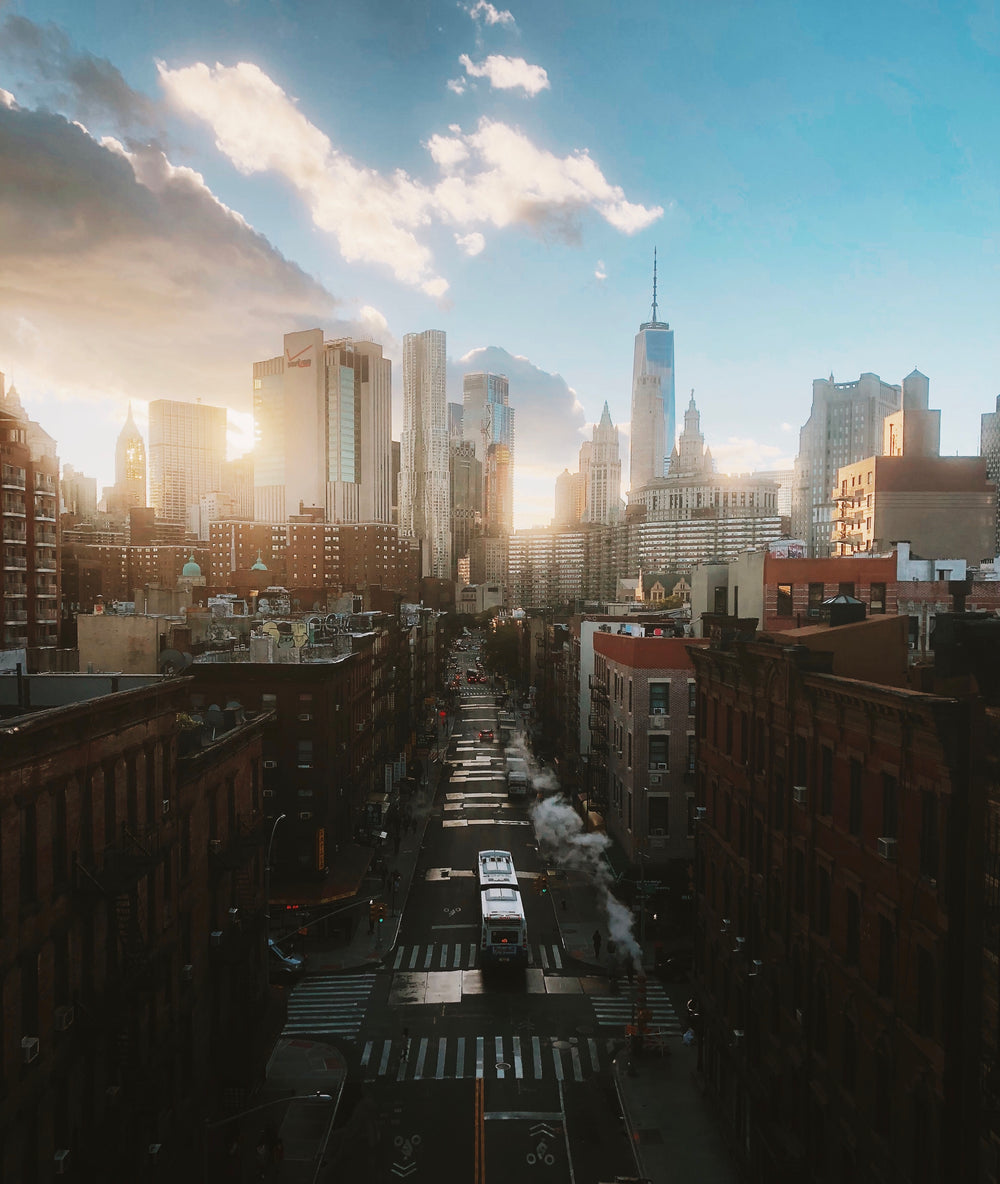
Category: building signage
[298,359]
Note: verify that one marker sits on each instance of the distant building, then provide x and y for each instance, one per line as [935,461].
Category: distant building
[488,423]
[989,450]
[785,481]
[187,448]
[603,477]
[844,426]
[79,495]
[129,489]
[466,479]
[424,507]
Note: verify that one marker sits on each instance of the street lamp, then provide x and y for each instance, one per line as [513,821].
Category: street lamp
[267,876]
[231,1118]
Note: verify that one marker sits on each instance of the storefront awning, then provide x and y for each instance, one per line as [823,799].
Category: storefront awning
[347,871]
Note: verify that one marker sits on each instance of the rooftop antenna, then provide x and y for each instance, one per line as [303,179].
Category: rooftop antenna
[654,283]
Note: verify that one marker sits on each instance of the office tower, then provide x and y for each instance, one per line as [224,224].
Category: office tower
[784,479]
[466,480]
[989,450]
[29,549]
[566,499]
[424,504]
[322,430]
[187,448]
[604,474]
[129,489]
[79,494]
[488,422]
[455,421]
[237,482]
[844,426]
[652,420]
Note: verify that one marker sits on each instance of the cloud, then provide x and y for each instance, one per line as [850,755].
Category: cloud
[492,176]
[600,272]
[548,418]
[6,98]
[507,73]
[457,85]
[51,73]
[471,244]
[745,455]
[485,12]
[123,276]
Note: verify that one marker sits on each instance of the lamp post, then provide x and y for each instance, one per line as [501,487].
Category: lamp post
[267,877]
[231,1118]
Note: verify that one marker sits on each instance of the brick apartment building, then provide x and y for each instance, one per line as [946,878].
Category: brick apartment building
[132,953]
[839,876]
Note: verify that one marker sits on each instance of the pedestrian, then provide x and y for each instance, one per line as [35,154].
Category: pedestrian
[597,943]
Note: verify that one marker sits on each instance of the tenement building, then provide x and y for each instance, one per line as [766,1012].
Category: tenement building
[839,890]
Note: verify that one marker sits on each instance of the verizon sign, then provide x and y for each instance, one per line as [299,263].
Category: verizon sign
[298,359]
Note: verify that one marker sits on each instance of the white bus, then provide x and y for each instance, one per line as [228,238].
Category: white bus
[503,935]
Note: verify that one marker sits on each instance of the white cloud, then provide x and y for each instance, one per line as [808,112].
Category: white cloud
[471,244]
[7,99]
[600,272]
[507,73]
[457,85]
[494,175]
[260,129]
[745,455]
[485,12]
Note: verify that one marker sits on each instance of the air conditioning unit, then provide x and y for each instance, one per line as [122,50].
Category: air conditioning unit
[29,1049]
[165,806]
[234,914]
[658,832]
[305,718]
[740,944]
[187,973]
[700,813]
[755,968]
[737,1035]
[800,795]
[60,1162]
[215,937]
[655,779]
[657,711]
[660,765]
[215,846]
[658,722]
[305,816]
[887,849]
[63,1018]
[270,764]
[726,922]
[154,1151]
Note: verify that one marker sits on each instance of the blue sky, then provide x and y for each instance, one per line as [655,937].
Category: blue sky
[181,183]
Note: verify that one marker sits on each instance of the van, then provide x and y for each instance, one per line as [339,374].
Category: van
[282,967]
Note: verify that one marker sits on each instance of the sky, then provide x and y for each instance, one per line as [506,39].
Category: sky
[184,181]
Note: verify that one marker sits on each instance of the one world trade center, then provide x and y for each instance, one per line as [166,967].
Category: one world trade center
[652,427]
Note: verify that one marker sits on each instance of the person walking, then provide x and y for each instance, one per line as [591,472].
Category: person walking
[597,943]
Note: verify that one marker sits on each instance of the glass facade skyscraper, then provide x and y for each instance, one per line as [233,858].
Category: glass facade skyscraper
[653,423]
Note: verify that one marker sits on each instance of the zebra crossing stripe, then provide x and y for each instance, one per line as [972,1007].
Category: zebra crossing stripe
[574,1053]
[460,1058]
[479,1056]
[443,961]
[556,958]
[366,1054]
[399,958]
[421,1055]
[498,1044]
[472,953]
[545,961]
[427,960]
[413,957]
[557,1063]
[518,1066]
[442,1045]
[536,1055]
[592,1047]
[458,956]
[417,1062]
[385,1058]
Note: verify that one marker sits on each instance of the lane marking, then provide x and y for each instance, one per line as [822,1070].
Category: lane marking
[518,1064]
[366,1054]
[421,1056]
[385,1058]
[577,1069]
[460,1058]
[557,1063]
[479,1056]
[442,1046]
[413,957]
[499,1055]
[536,1055]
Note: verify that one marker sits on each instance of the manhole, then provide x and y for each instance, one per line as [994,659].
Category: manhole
[502,1066]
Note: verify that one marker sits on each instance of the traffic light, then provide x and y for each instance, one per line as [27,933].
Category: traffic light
[541,885]
[383,908]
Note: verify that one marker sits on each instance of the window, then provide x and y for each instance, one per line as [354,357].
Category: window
[659,752]
[659,816]
[883,1092]
[60,868]
[690,752]
[886,956]
[629,758]
[823,901]
[929,835]
[692,696]
[799,890]
[784,608]
[305,754]
[721,599]
[854,806]
[691,815]
[890,806]
[826,781]
[630,695]
[876,599]
[925,992]
[853,950]
[801,761]
[29,854]
[659,698]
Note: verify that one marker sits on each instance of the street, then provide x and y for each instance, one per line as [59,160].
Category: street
[458,1071]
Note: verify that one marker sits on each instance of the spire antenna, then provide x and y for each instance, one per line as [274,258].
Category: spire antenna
[654,283]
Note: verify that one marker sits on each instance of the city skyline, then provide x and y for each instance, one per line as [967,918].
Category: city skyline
[798,176]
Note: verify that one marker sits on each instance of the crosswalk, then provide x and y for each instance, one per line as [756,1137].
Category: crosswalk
[329,1005]
[615,1011]
[453,1057]
[463,956]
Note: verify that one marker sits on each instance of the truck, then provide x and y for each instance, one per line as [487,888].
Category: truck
[518,780]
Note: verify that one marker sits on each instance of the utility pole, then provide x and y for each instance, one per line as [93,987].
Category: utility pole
[267,878]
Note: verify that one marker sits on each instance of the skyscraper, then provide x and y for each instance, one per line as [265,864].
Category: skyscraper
[488,422]
[844,426]
[322,430]
[187,448]
[424,502]
[604,474]
[652,419]
[129,490]
[989,450]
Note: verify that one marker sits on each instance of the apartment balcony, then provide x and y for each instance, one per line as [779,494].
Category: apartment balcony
[16,614]
[45,538]
[11,509]
[47,588]
[15,563]
[15,591]
[12,535]
[45,567]
[44,513]
[47,616]
[11,478]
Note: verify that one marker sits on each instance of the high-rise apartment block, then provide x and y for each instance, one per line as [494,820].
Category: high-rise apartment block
[844,426]
[187,448]
[466,499]
[652,419]
[322,430]
[79,494]
[989,450]
[29,550]
[424,501]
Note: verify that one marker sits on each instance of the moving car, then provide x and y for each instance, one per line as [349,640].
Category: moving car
[282,967]
[487,735]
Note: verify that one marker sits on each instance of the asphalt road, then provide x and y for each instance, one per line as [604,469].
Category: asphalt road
[463,1074]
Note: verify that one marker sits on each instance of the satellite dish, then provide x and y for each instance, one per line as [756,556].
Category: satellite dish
[173,662]
[214,717]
